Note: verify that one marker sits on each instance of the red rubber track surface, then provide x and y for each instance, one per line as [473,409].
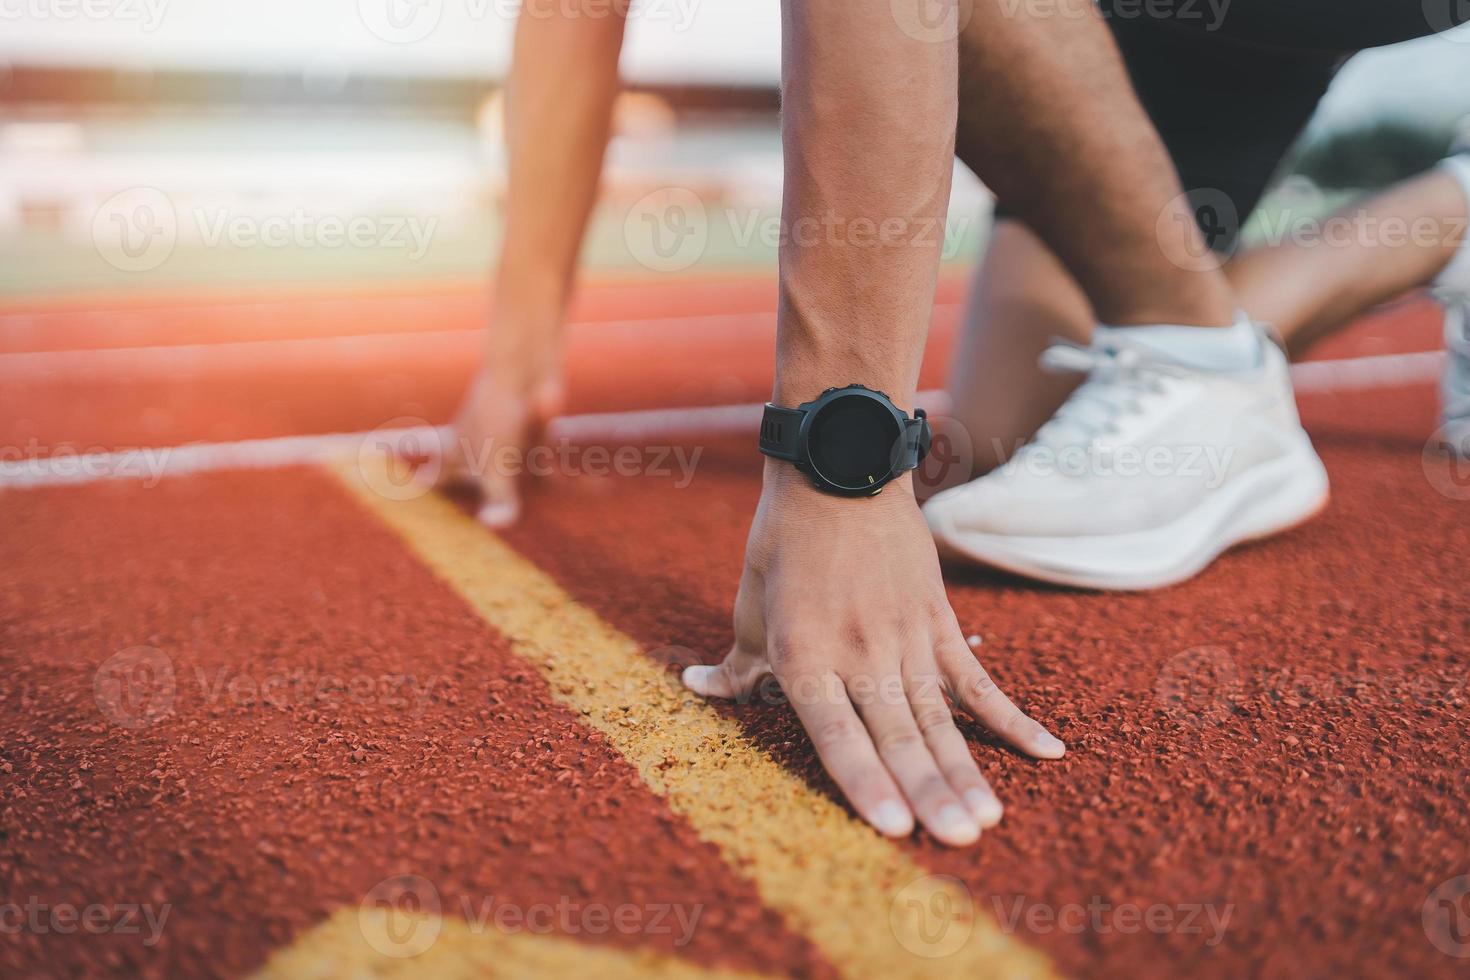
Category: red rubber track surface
[1282,735]
[170,370]
[280,789]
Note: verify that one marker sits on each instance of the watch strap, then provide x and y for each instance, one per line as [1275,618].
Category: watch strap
[916,441]
[781,432]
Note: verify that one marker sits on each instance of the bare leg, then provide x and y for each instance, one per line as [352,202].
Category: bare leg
[559,110]
[1368,253]
[1048,119]
[1021,299]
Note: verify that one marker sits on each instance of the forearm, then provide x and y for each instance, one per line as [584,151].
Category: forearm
[868,129]
[559,101]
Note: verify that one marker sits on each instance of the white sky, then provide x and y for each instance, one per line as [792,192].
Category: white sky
[670,40]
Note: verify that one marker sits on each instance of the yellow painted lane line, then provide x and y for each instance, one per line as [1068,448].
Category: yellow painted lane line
[372,943]
[868,907]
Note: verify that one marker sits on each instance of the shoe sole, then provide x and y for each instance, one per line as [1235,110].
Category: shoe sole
[1264,501]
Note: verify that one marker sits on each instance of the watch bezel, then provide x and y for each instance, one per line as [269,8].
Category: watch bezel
[811,412]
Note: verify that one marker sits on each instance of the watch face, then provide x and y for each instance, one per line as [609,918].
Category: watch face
[853,441]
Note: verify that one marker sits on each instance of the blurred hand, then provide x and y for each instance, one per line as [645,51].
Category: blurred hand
[504,414]
[843,602]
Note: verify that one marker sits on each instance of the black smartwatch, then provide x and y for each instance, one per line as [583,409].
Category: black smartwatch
[850,441]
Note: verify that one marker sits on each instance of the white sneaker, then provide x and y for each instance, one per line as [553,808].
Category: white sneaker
[1454,392]
[1149,471]
[1452,288]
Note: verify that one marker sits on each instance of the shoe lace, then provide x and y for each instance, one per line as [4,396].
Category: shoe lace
[1457,373]
[1119,379]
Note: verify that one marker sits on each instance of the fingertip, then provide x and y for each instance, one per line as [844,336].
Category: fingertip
[953,826]
[985,807]
[499,513]
[1047,746]
[892,819]
[696,677]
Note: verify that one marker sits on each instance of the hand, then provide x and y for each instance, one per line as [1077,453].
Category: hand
[843,602]
[503,415]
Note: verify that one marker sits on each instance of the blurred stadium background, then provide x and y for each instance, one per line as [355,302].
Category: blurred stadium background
[221,222]
[392,107]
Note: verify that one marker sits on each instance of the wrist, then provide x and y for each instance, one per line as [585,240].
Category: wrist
[521,359]
[783,483]
[797,386]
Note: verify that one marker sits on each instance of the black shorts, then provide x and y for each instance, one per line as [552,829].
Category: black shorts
[1231,84]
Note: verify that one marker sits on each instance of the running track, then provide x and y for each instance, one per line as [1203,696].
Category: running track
[335,728]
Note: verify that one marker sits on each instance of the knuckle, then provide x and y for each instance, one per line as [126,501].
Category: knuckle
[835,732]
[979,688]
[1017,723]
[931,719]
[933,789]
[900,741]
[785,650]
[926,691]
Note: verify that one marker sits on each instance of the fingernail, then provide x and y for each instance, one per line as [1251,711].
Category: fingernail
[956,826]
[1050,746]
[984,806]
[893,819]
[498,513]
[696,677]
